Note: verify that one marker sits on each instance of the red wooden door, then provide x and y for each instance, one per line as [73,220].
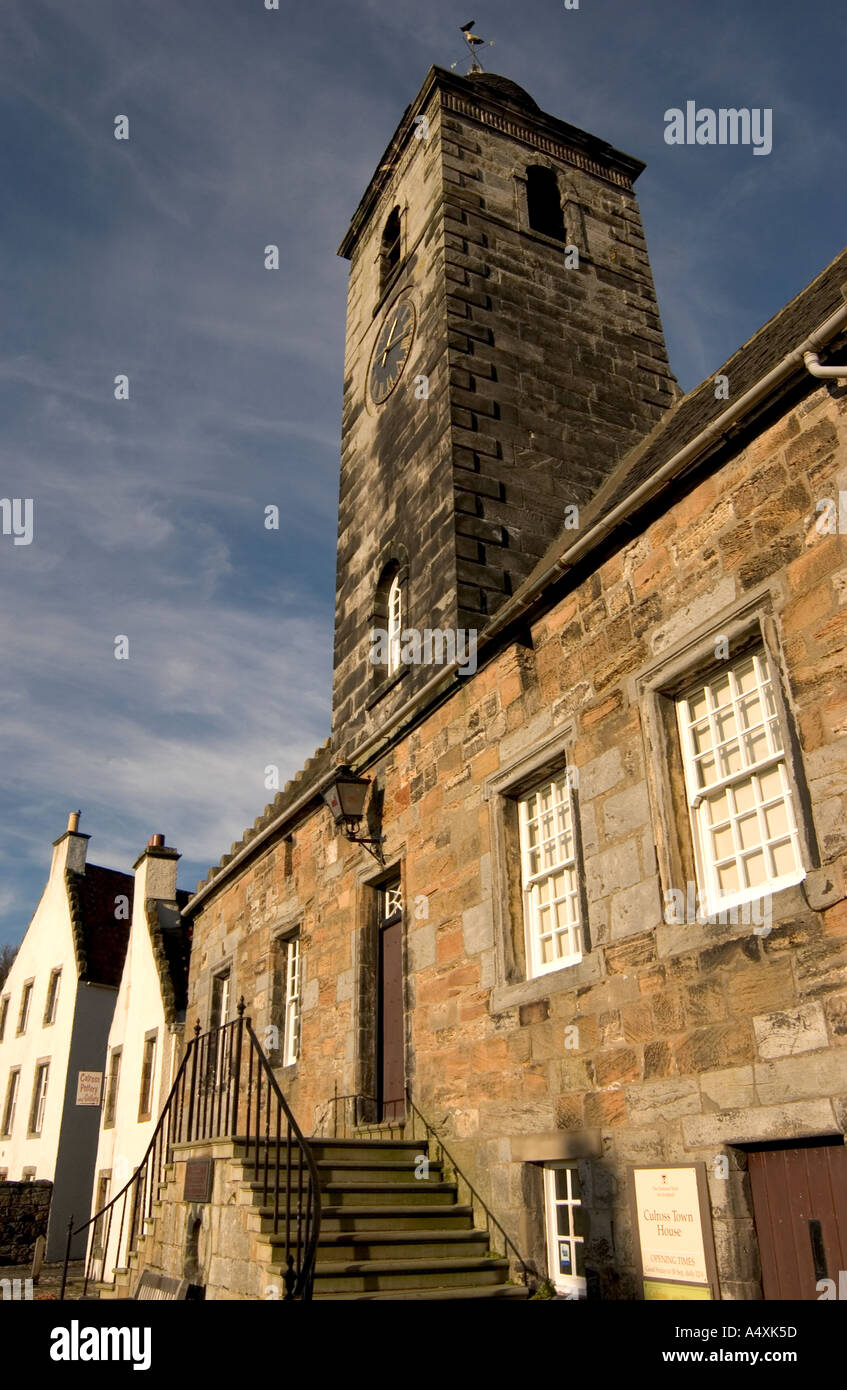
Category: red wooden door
[391,1067]
[800,1206]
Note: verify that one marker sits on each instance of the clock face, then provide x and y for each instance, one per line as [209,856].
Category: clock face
[392,350]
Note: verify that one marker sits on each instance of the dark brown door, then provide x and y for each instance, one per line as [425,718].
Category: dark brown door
[391,1069]
[800,1206]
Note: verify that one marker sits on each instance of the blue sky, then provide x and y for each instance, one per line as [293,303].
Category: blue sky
[250,126]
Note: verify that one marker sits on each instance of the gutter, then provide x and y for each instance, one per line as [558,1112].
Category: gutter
[522,602]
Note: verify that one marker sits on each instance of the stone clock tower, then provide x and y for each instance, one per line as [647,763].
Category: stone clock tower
[503,350]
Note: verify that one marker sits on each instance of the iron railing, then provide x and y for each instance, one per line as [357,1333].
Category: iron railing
[224,1089]
[346,1115]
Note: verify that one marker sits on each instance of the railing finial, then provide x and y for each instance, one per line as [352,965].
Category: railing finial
[241,1006]
[197,1029]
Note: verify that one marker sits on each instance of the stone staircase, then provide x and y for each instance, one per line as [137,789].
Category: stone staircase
[389,1230]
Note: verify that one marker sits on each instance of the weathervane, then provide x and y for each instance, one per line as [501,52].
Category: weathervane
[473,42]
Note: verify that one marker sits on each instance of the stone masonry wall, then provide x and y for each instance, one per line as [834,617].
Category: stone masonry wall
[665,1042]
[24,1210]
[464,485]
[556,370]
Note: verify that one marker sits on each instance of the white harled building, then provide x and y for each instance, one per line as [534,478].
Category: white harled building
[144,1042]
[56,1009]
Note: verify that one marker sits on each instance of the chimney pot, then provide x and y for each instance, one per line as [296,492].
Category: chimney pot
[156,841]
[73,820]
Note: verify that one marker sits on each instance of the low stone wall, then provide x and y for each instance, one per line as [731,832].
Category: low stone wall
[24,1209]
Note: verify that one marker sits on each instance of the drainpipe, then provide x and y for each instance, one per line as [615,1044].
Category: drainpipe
[823,373]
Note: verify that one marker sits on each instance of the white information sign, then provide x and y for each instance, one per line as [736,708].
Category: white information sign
[670,1227]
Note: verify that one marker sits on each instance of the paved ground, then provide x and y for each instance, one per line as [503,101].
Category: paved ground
[49,1283]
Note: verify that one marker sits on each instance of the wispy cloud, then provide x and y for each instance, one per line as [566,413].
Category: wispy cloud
[146,257]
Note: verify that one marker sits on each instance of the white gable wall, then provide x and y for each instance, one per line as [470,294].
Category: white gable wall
[64,1150]
[139,1009]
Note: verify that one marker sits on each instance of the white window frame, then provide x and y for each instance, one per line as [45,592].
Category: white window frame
[103,1191]
[221,1014]
[291,1018]
[39,1097]
[145,1112]
[26,1006]
[394,610]
[392,898]
[702,794]
[536,875]
[52,1002]
[572,1285]
[113,1081]
[10,1100]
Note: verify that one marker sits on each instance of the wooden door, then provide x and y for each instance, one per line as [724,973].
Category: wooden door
[391,1047]
[800,1207]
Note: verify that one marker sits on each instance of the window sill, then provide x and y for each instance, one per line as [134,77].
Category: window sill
[787,905]
[544,240]
[511,996]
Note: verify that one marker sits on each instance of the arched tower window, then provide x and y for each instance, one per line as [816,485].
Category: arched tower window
[389,255]
[395,623]
[544,206]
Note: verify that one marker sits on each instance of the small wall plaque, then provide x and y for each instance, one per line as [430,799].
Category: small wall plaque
[89,1086]
[198,1180]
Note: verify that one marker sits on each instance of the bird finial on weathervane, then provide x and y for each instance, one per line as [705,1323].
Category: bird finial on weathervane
[473,42]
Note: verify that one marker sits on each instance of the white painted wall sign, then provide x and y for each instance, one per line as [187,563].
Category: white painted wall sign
[89,1087]
[674,1228]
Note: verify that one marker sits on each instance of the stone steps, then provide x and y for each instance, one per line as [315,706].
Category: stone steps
[363,1276]
[390,1228]
[392,1217]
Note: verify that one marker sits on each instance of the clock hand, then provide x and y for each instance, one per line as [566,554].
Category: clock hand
[388,344]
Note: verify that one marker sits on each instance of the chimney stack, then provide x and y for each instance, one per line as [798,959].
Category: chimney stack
[69,850]
[155,871]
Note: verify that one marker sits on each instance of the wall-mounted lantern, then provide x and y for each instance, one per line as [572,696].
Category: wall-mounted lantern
[346,796]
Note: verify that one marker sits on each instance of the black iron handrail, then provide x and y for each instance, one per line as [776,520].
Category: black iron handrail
[224,1089]
[476,1201]
[358,1121]
[529,1275]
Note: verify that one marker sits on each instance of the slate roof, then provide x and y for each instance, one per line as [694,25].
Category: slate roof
[100,939]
